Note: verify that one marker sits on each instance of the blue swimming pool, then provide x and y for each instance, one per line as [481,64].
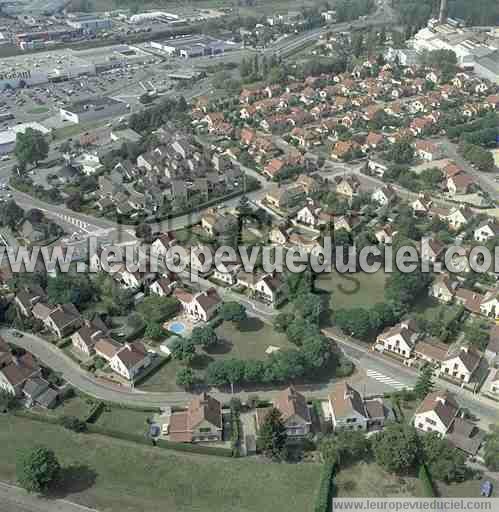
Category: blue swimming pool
[177,327]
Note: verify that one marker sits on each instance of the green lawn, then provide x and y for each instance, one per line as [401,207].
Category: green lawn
[353,290]
[368,480]
[468,489]
[38,110]
[124,420]
[431,309]
[248,342]
[117,476]
[75,406]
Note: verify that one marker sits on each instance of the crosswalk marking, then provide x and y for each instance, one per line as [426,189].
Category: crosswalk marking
[386,380]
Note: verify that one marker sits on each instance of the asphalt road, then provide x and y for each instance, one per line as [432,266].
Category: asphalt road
[14,499]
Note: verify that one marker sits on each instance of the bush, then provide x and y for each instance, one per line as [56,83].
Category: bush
[73,423]
[325,494]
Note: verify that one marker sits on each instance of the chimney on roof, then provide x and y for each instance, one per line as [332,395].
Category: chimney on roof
[440,399]
[442,19]
[465,349]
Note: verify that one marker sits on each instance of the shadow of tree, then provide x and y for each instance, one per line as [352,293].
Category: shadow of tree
[201,361]
[73,479]
[222,347]
[250,324]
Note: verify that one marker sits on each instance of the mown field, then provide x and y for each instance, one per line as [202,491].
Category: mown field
[112,475]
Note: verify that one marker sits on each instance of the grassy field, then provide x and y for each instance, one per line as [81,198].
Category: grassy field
[38,110]
[368,480]
[124,420]
[248,342]
[75,406]
[353,290]
[117,476]
[468,489]
[431,309]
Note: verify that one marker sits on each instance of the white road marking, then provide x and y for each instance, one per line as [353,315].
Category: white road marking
[386,380]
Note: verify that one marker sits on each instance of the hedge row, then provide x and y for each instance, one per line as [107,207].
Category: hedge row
[94,413]
[323,500]
[118,405]
[425,477]
[169,445]
[63,343]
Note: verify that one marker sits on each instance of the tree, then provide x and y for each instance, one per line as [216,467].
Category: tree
[396,448]
[281,321]
[73,423]
[204,336]
[11,214]
[183,349]
[144,231]
[443,460]
[401,152]
[154,330]
[75,201]
[272,435]
[233,312]
[424,384]
[157,309]
[66,288]
[344,447]
[491,450]
[37,469]
[31,147]
[185,377]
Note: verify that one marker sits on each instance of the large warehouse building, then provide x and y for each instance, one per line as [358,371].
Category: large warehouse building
[193,46]
[43,67]
[93,109]
[475,49]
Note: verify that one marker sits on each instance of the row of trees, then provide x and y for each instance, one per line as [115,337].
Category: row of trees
[398,449]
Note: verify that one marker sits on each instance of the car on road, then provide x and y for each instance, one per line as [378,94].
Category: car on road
[17,334]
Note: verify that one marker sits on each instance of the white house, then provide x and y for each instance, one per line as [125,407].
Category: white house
[384,195]
[490,304]
[163,286]
[486,230]
[436,413]
[458,218]
[163,243]
[461,366]
[201,306]
[271,289]
[347,410]
[130,360]
[399,339]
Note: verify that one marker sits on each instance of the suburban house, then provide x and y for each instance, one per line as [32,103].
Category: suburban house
[312,215]
[163,286]
[492,350]
[432,351]
[443,289]
[470,299]
[16,371]
[489,306]
[271,289]
[384,195]
[294,410]
[347,410]
[130,360]
[201,422]
[422,205]
[278,235]
[62,320]
[163,243]
[227,271]
[427,150]
[439,412]
[27,297]
[85,338]
[107,348]
[460,184]
[461,366]
[201,306]
[399,339]
[458,218]
[436,413]
[385,235]
[486,230]
[348,186]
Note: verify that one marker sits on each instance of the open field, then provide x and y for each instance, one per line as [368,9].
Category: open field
[248,342]
[368,480]
[124,420]
[353,290]
[117,476]
[431,309]
[468,489]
